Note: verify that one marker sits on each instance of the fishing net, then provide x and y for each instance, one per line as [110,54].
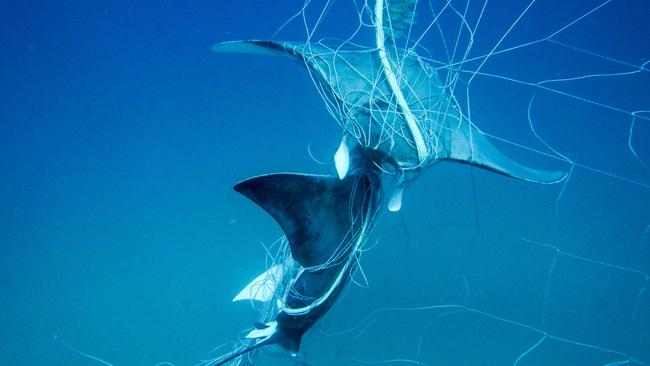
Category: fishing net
[477,268]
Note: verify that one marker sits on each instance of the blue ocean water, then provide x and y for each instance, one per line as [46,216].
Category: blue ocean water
[121,135]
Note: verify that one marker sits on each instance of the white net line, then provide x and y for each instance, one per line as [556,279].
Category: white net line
[454,67]
[439,37]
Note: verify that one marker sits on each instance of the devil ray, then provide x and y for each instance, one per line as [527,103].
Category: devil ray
[326,221]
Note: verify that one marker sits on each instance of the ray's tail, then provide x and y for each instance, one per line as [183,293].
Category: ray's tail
[270,340]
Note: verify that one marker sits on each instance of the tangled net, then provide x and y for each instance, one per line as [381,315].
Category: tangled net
[498,272]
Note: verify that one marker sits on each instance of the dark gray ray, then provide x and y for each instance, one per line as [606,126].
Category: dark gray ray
[353,81]
[323,217]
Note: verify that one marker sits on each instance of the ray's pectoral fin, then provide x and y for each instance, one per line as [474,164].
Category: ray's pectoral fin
[470,146]
[263,286]
[257,47]
[303,205]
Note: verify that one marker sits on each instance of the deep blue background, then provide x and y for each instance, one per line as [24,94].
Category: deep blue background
[121,135]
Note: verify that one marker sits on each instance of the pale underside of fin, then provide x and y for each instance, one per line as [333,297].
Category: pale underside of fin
[342,159]
[263,286]
[266,332]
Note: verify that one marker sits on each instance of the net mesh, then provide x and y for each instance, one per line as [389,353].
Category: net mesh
[496,271]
